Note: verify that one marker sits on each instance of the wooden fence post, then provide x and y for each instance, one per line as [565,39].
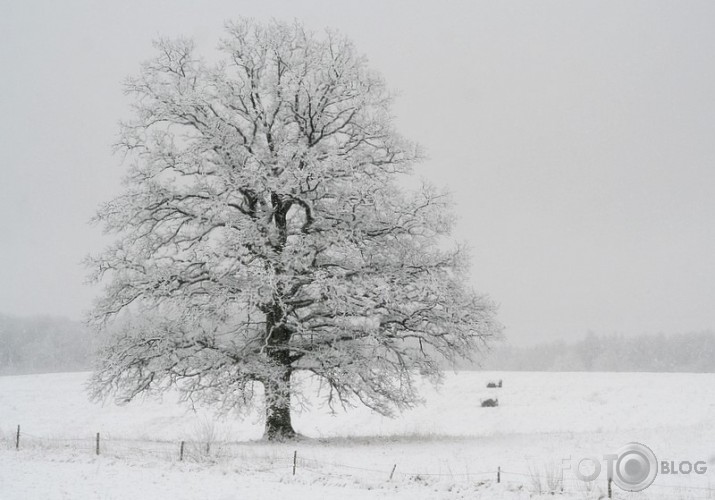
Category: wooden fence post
[295,460]
[17,439]
[393,472]
[97,450]
[181,452]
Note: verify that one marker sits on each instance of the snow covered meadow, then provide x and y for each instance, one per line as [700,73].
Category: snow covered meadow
[449,448]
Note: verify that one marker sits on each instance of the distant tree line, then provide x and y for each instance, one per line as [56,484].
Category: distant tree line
[51,344]
[686,352]
[43,344]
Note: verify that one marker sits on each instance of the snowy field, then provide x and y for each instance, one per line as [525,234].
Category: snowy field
[449,448]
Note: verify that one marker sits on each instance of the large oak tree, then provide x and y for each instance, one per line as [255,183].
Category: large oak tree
[262,231]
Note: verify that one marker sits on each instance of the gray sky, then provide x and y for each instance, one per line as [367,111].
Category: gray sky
[578,139]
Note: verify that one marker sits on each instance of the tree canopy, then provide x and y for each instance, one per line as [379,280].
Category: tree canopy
[263,231]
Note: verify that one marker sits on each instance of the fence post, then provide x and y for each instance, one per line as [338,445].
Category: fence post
[393,472]
[295,459]
[181,452]
[610,492]
[17,439]
[499,474]
[97,450]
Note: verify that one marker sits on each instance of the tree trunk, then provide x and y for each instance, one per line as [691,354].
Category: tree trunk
[277,389]
[278,423]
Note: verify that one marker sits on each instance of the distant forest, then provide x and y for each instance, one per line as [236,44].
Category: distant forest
[686,352]
[43,344]
[51,344]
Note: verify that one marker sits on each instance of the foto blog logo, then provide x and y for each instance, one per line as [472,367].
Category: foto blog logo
[633,467]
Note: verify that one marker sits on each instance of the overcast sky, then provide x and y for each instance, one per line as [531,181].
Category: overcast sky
[578,140]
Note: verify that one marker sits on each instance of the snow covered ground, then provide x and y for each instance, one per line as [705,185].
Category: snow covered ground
[449,448]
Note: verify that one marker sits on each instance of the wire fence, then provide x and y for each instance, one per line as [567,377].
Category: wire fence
[248,459]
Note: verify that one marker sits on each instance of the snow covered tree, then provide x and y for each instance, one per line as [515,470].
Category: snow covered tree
[263,231]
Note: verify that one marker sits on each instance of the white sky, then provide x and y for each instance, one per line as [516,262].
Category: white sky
[578,139]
